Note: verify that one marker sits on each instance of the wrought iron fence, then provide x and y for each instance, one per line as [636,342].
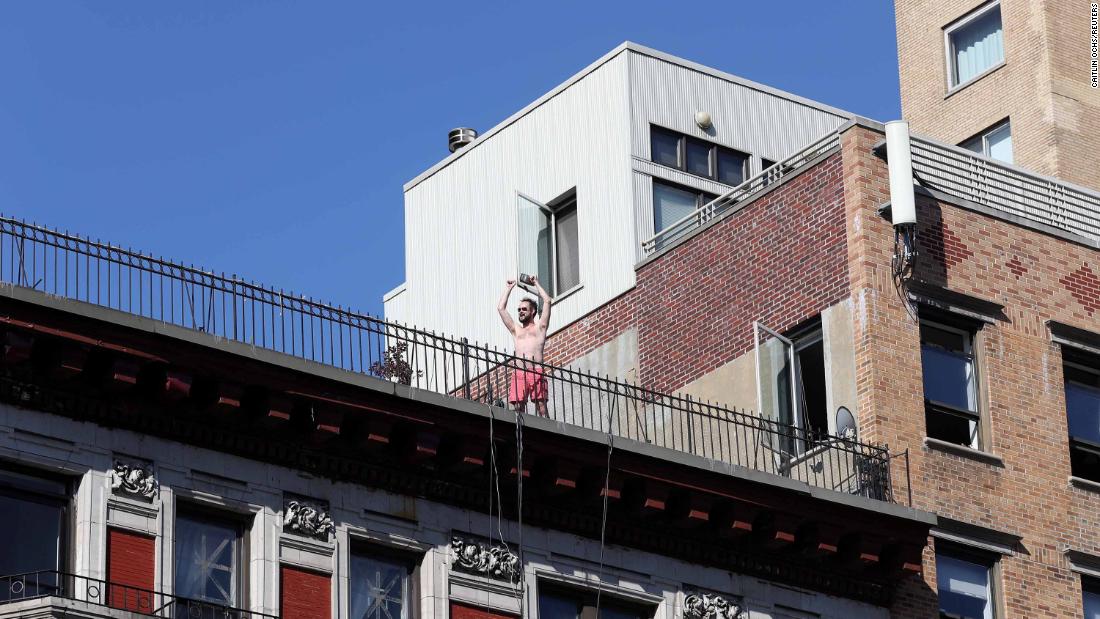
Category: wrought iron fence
[44,583]
[1045,200]
[728,201]
[66,265]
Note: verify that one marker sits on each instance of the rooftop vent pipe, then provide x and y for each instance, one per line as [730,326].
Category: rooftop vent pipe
[457,138]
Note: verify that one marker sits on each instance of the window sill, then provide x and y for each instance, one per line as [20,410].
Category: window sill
[567,293]
[977,78]
[964,451]
[1084,484]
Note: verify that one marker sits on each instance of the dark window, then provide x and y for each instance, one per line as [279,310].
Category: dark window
[671,203]
[1082,377]
[33,516]
[964,582]
[809,354]
[381,585]
[208,560]
[697,157]
[561,603]
[1090,597]
[950,382]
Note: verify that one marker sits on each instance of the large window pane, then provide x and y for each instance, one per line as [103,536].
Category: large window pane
[664,147]
[948,367]
[582,604]
[379,589]
[964,588]
[977,45]
[568,262]
[1090,594]
[1083,411]
[207,560]
[534,239]
[698,158]
[731,167]
[32,532]
[671,204]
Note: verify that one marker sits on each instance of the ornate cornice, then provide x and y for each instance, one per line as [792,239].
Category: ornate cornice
[307,518]
[712,606]
[134,479]
[479,558]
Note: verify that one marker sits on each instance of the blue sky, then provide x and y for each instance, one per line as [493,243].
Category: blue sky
[271,139]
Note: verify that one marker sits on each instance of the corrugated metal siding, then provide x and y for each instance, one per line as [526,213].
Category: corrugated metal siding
[461,222]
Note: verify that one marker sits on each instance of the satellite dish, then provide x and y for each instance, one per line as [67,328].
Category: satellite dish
[846,424]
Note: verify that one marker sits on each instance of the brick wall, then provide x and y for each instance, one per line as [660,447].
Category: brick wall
[779,260]
[130,569]
[1043,86]
[1037,278]
[304,594]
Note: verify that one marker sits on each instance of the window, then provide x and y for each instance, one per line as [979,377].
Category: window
[548,242]
[1082,377]
[560,603]
[1090,597]
[950,383]
[380,587]
[671,203]
[995,143]
[964,580]
[974,44]
[208,561]
[698,157]
[33,515]
[791,372]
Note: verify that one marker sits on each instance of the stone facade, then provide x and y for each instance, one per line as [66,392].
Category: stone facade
[1043,87]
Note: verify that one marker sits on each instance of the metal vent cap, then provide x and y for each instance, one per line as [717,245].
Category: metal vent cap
[457,138]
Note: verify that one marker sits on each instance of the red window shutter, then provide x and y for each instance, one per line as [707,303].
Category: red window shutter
[305,595]
[131,564]
[462,611]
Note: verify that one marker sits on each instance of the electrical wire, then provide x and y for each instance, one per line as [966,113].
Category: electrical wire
[903,263]
[604,491]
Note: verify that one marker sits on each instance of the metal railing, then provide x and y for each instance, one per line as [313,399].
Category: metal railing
[729,200]
[66,265]
[1044,200]
[46,583]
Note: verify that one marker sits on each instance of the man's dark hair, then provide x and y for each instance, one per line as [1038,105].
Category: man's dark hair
[534,304]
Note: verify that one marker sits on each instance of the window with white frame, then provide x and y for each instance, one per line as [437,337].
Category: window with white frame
[975,44]
[995,142]
[565,603]
[965,582]
[1082,380]
[208,553]
[549,243]
[380,585]
[33,516]
[1090,597]
[950,381]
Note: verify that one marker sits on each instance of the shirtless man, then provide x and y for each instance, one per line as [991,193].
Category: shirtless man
[530,337]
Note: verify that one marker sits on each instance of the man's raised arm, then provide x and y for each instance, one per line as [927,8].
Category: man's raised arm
[502,306]
[544,318]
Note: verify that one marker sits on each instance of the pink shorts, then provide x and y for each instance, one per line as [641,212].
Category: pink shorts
[527,384]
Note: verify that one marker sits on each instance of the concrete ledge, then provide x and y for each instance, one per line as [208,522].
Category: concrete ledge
[984,457]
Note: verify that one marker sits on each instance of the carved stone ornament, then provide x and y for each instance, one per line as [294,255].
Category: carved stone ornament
[485,560]
[711,606]
[133,479]
[308,519]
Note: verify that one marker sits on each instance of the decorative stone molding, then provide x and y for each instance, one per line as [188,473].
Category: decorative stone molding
[712,606]
[134,479]
[308,519]
[485,560]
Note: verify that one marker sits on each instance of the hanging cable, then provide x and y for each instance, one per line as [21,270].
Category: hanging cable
[519,506]
[604,491]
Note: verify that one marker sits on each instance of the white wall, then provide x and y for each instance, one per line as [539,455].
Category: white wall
[254,490]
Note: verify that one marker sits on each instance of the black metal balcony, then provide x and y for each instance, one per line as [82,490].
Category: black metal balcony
[95,592]
[75,268]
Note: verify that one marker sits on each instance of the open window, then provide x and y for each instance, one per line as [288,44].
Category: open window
[950,372]
[548,242]
[792,385]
